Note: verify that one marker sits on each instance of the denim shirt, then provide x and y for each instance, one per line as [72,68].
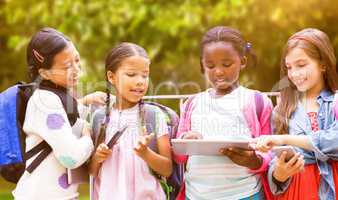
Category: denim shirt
[324,143]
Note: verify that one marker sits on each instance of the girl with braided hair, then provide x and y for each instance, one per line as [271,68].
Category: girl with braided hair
[125,170]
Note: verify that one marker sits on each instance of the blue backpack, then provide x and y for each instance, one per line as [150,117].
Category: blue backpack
[172,184]
[13,102]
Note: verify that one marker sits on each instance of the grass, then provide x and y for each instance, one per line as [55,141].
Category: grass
[6,190]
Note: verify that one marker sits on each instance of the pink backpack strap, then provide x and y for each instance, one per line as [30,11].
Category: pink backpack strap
[186,109]
[184,126]
[189,105]
[260,110]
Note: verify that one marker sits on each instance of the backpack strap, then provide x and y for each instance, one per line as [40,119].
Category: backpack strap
[25,92]
[185,115]
[35,150]
[46,150]
[151,109]
[173,120]
[259,103]
[69,103]
[188,105]
[150,123]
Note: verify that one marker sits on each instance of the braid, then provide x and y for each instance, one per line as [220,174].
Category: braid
[104,124]
[107,103]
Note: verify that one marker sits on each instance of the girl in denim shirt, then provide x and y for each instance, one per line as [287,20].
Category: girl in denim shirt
[308,114]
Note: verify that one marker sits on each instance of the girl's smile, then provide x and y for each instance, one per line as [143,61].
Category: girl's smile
[304,72]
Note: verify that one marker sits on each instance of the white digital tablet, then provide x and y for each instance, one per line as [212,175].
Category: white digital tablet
[206,146]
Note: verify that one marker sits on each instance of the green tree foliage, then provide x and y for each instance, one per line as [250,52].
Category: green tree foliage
[169,30]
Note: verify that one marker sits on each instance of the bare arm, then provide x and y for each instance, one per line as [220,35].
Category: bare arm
[266,142]
[301,141]
[159,162]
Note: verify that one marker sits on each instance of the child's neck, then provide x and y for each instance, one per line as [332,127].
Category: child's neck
[222,92]
[312,93]
[122,104]
[309,98]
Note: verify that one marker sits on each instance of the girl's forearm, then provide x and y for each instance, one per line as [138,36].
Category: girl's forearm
[94,167]
[160,164]
[301,141]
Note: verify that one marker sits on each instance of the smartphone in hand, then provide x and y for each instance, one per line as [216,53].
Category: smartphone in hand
[290,151]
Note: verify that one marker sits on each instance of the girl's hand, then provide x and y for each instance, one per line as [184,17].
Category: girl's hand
[265,143]
[141,147]
[102,153]
[192,135]
[246,158]
[95,98]
[285,169]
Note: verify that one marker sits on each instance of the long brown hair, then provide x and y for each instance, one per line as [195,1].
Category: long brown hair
[316,44]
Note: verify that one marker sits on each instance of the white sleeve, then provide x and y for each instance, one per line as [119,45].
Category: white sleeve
[46,117]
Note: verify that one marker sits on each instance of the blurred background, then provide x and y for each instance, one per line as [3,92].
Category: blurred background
[170,31]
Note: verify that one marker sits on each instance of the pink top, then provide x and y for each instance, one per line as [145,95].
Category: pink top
[314,122]
[124,175]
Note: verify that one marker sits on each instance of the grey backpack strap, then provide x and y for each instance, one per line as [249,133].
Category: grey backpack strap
[173,118]
[150,123]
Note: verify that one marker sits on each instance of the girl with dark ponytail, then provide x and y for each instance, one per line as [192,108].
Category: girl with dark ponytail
[53,119]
